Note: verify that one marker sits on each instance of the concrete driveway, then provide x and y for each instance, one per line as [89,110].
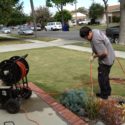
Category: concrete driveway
[40,109]
[33,111]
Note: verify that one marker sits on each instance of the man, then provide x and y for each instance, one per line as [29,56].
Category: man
[102,49]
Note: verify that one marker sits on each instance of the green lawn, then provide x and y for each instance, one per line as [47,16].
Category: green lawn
[46,39]
[87,44]
[56,69]
[10,41]
[101,27]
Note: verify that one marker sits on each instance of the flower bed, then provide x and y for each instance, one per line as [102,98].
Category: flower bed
[93,109]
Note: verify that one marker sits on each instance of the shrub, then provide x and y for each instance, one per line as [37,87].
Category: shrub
[111,112]
[107,110]
[92,107]
[74,100]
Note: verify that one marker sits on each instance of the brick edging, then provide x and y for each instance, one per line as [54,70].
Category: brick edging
[66,114]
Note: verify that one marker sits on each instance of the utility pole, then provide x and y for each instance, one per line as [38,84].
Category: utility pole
[76,11]
[93,1]
[34,17]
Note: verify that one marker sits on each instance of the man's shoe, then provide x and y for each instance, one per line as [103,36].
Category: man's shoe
[98,94]
[102,96]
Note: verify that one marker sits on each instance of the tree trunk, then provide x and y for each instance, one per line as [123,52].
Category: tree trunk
[62,16]
[106,13]
[34,17]
[122,22]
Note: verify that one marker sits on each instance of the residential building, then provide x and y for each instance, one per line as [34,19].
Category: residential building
[113,12]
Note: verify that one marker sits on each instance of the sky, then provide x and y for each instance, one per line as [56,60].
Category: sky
[80,3]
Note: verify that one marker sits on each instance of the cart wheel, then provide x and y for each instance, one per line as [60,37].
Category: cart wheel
[26,93]
[12,106]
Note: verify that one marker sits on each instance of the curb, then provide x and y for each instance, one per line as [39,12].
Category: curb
[66,114]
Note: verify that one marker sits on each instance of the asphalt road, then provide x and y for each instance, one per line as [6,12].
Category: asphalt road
[69,35]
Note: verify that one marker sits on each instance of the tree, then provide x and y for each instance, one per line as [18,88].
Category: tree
[96,11]
[42,15]
[122,22]
[82,10]
[18,18]
[6,9]
[106,12]
[67,16]
[59,4]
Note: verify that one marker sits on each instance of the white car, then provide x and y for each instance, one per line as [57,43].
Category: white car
[53,26]
[6,30]
[38,28]
[84,22]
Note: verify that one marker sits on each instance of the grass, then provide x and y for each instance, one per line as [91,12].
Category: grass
[22,36]
[101,27]
[46,39]
[10,41]
[117,47]
[56,69]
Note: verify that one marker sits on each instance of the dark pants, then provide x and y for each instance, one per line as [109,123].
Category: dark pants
[103,79]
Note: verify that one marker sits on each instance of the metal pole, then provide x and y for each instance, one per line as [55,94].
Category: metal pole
[76,11]
[34,17]
[93,1]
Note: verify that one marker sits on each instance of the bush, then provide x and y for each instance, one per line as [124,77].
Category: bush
[116,19]
[108,111]
[92,107]
[111,112]
[74,100]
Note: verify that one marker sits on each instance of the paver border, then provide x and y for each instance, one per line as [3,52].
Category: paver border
[67,115]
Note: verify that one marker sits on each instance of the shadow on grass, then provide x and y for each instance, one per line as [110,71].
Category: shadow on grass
[48,89]
[3,39]
[85,79]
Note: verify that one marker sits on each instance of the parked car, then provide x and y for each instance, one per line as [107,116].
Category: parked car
[25,31]
[38,28]
[73,22]
[93,21]
[113,34]
[6,30]
[53,26]
[83,22]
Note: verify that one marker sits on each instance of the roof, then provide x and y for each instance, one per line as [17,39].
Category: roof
[79,15]
[114,8]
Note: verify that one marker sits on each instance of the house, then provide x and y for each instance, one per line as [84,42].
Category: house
[76,17]
[113,14]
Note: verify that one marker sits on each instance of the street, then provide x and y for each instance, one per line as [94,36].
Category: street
[70,35]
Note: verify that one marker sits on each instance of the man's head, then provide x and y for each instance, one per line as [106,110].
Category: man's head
[86,33]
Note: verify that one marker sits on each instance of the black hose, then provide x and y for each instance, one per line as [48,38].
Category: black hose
[10,71]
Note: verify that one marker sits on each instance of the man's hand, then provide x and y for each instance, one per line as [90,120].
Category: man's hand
[93,56]
[91,59]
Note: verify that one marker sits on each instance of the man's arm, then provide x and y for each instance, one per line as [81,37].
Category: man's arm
[101,54]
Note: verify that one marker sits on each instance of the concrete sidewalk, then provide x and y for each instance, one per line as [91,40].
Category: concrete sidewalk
[59,42]
[34,44]
[120,54]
